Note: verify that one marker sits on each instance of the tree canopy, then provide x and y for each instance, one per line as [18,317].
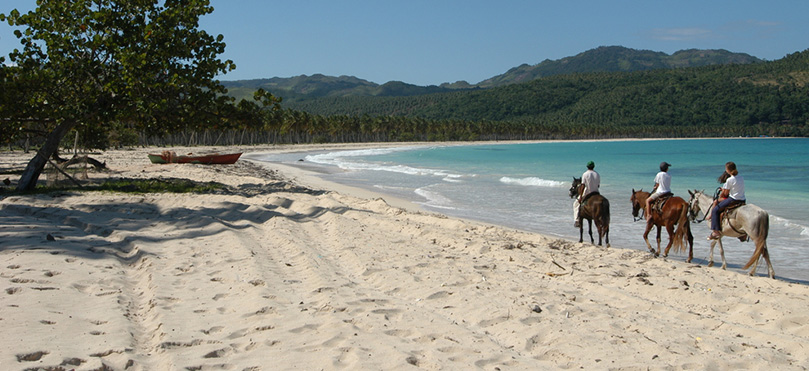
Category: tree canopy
[94,63]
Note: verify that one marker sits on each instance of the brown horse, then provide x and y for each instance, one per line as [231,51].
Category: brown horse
[674,212]
[595,208]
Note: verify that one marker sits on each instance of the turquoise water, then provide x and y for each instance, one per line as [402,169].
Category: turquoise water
[525,185]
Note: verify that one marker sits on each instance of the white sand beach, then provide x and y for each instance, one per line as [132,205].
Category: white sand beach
[287,272]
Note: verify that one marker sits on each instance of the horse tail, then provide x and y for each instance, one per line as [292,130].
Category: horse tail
[679,240]
[761,238]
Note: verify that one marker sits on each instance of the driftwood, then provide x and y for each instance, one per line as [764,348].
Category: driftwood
[60,169]
[62,164]
[79,159]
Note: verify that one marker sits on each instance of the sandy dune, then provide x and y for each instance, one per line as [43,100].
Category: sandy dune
[275,275]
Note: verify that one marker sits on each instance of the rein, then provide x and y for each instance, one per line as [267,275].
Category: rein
[643,215]
[704,214]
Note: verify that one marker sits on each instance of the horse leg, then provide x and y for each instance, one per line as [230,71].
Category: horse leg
[581,231]
[710,255]
[670,229]
[590,230]
[658,241]
[603,231]
[770,270]
[646,238]
[766,255]
[722,253]
[598,230]
[690,244]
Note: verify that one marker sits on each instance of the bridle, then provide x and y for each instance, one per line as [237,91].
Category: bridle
[694,202]
[574,189]
[636,201]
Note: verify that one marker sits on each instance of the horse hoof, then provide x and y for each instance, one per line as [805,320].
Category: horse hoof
[710,264]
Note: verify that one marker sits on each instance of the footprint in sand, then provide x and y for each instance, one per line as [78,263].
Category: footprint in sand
[304,328]
[493,321]
[220,353]
[31,357]
[212,330]
[528,321]
[388,313]
[439,295]
[399,333]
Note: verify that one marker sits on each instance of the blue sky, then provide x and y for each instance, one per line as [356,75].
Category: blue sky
[428,42]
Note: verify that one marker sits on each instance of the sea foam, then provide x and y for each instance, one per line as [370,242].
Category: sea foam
[532,182]
[343,160]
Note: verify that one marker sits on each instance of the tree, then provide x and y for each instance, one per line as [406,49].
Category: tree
[93,62]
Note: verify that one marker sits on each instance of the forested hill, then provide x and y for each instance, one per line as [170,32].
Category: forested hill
[305,87]
[602,59]
[762,98]
[617,59]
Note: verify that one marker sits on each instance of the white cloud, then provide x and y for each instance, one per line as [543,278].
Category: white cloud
[738,30]
[752,29]
[681,34]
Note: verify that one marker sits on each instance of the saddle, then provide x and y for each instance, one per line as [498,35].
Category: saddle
[584,200]
[727,212]
[658,204]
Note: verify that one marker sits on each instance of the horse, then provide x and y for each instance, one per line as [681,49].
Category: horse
[748,222]
[596,208]
[674,212]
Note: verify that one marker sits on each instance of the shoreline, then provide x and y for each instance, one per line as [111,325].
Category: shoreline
[626,238]
[277,275]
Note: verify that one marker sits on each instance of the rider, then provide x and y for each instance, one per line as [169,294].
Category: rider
[662,187]
[591,180]
[732,191]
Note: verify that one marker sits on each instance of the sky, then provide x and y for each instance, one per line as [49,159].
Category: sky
[429,42]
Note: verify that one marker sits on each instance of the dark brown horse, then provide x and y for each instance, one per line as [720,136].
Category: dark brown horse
[674,212]
[596,208]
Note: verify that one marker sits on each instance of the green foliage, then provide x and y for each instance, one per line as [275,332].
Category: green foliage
[617,59]
[304,87]
[770,98]
[89,64]
[98,61]
[602,59]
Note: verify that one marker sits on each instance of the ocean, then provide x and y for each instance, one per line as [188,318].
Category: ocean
[525,185]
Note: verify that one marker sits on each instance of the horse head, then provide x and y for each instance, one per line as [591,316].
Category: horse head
[574,188]
[694,207]
[638,201]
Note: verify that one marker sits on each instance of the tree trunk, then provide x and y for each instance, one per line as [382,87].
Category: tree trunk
[30,175]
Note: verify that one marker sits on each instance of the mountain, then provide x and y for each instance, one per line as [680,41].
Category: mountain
[321,86]
[601,59]
[617,59]
[768,98]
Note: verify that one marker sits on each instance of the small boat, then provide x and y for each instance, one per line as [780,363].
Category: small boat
[169,157]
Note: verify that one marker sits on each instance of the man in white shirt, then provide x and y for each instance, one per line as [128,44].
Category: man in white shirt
[662,186]
[591,181]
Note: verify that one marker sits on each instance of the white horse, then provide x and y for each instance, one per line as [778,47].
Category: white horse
[746,222]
